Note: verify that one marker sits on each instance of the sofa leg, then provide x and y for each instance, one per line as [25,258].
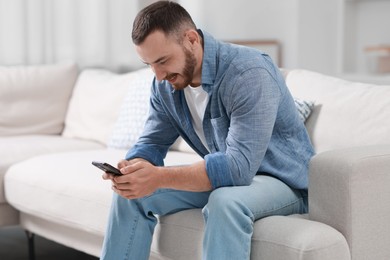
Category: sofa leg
[31,247]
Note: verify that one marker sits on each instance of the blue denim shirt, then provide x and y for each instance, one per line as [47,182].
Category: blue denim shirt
[251,124]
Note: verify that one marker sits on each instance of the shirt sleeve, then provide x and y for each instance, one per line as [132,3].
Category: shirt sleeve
[251,105]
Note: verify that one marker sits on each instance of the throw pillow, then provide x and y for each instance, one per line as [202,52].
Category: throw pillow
[95,103]
[304,108]
[134,111]
[34,99]
[350,113]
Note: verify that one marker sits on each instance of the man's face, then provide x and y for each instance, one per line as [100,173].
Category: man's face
[168,59]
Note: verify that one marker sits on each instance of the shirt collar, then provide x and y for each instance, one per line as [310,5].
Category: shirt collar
[209,64]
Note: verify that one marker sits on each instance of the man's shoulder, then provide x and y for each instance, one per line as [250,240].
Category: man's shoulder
[232,54]
[242,57]
[226,62]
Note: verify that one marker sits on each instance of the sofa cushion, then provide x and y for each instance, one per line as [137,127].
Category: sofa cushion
[345,114]
[133,112]
[94,106]
[295,237]
[14,149]
[66,188]
[34,99]
[179,236]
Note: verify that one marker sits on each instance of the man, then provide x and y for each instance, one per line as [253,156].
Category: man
[232,106]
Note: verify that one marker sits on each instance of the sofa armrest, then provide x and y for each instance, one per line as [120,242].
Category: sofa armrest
[349,189]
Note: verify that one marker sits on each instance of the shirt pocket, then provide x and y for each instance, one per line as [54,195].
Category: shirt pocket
[220,128]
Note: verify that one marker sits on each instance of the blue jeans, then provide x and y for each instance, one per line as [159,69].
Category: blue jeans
[229,214]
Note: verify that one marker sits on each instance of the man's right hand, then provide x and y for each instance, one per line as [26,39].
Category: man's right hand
[121,164]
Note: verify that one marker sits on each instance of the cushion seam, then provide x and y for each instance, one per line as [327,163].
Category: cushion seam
[298,249]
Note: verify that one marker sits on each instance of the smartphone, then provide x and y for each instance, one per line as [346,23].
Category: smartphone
[107,168]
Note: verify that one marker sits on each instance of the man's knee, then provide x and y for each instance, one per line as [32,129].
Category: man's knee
[223,204]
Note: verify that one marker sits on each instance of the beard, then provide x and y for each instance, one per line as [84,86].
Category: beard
[188,70]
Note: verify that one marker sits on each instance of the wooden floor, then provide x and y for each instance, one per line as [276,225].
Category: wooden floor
[13,246]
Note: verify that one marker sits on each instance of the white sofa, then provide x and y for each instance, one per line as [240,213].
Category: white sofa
[54,122]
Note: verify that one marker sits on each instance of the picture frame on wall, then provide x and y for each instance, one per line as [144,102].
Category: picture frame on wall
[271,47]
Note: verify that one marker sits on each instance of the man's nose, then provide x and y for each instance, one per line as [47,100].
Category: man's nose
[160,75]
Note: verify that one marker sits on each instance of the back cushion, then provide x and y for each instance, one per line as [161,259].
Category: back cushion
[133,112]
[34,99]
[95,104]
[346,113]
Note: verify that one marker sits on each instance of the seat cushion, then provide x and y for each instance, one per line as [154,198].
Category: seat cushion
[14,149]
[297,238]
[179,236]
[66,188]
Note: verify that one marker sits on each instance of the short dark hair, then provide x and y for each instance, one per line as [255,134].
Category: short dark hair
[169,17]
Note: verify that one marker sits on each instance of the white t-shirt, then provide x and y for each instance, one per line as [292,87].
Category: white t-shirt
[197,100]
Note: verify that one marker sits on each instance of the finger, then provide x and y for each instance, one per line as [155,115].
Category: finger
[131,168]
[123,179]
[124,193]
[123,186]
[107,176]
[122,163]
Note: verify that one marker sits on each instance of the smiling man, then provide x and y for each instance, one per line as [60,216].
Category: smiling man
[175,57]
[231,105]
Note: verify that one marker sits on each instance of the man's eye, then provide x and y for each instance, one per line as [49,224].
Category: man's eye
[162,62]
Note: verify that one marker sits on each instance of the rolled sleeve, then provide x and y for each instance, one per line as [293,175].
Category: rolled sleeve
[218,170]
[146,152]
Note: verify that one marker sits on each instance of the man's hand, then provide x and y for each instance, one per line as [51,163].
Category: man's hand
[140,178]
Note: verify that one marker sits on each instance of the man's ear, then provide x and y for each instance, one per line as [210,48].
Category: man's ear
[193,37]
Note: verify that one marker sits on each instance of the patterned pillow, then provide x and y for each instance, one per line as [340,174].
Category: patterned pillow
[304,108]
[134,111]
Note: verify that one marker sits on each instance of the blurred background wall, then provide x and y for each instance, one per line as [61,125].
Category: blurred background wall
[327,36]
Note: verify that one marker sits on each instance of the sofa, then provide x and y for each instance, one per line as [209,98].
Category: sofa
[56,119]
